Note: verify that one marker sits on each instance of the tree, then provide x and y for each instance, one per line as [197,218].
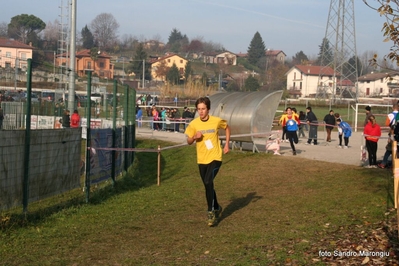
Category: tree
[50,35]
[349,67]
[188,70]
[176,41]
[300,58]
[256,49]
[204,79]
[104,28]
[87,38]
[173,75]
[195,46]
[251,84]
[233,86]
[3,29]
[162,69]
[138,60]
[25,28]
[389,9]
[325,56]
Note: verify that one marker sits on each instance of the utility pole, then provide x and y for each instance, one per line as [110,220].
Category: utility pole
[143,73]
[72,56]
[339,45]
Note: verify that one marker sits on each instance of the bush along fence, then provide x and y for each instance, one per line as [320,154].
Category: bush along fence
[39,158]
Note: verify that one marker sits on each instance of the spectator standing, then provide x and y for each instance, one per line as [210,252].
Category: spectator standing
[311,120]
[345,131]
[139,117]
[368,114]
[177,117]
[75,119]
[1,118]
[329,120]
[302,125]
[372,133]
[66,120]
[187,116]
[204,130]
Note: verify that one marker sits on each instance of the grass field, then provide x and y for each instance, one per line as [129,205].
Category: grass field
[277,211]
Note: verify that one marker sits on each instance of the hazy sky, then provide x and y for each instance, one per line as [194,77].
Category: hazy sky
[288,25]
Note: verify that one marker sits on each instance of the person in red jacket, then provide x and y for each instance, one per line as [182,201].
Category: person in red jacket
[372,133]
[75,119]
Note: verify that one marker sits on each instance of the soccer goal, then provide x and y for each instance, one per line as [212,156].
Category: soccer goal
[381,110]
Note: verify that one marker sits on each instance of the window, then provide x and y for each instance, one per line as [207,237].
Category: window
[23,56]
[89,65]
[8,54]
[101,64]
[168,60]
[181,61]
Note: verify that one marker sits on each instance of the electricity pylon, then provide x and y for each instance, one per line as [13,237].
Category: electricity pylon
[338,60]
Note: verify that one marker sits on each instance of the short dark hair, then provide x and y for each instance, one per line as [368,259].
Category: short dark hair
[309,108]
[204,100]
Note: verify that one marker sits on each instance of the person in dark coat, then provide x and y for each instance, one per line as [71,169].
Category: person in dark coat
[311,120]
[329,119]
[66,120]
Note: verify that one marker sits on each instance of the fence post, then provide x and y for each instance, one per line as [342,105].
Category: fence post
[88,137]
[114,99]
[25,195]
[159,166]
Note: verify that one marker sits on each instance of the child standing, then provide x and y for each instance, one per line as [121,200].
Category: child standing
[345,131]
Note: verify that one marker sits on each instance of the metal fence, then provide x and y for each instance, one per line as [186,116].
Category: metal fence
[37,151]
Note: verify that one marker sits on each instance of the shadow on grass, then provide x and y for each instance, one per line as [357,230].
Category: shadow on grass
[142,173]
[238,204]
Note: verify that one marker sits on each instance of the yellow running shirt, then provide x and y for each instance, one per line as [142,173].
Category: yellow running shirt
[208,147]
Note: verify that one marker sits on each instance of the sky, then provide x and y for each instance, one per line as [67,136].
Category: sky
[289,25]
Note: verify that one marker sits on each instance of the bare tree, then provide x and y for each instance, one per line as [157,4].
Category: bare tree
[105,28]
[3,29]
[390,10]
[52,31]
[128,42]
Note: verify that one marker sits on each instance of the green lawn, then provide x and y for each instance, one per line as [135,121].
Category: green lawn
[277,211]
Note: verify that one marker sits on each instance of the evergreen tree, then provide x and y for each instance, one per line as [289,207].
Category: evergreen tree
[204,79]
[251,84]
[177,41]
[138,60]
[350,66]
[173,75]
[87,38]
[256,49]
[300,58]
[188,70]
[25,28]
[325,56]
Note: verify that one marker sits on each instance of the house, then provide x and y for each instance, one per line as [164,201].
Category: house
[153,44]
[101,65]
[159,67]
[303,80]
[378,84]
[227,58]
[275,55]
[14,53]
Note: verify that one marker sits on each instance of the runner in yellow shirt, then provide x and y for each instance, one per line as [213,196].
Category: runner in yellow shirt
[204,131]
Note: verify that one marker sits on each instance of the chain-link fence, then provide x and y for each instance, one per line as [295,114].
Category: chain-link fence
[41,154]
